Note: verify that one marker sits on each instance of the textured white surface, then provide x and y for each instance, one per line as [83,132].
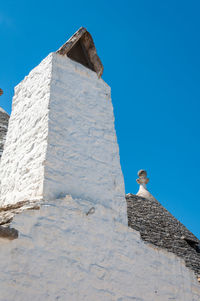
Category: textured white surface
[143,192]
[82,155]
[63,254]
[22,169]
[61,138]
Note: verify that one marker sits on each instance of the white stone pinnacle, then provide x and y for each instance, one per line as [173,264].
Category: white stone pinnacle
[142,181]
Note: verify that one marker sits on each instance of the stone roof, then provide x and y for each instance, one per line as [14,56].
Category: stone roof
[4,118]
[160,228]
[80,48]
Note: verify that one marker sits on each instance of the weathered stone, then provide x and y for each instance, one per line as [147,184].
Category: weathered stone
[7,212]
[80,48]
[159,227]
[9,233]
[4,118]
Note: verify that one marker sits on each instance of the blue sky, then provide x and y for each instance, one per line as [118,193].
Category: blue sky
[151,56]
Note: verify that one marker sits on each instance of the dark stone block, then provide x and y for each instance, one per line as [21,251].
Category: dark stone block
[9,233]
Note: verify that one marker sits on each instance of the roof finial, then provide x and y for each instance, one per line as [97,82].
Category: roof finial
[142,181]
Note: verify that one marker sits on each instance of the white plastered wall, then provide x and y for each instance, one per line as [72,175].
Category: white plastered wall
[63,253]
[82,154]
[61,138]
[22,162]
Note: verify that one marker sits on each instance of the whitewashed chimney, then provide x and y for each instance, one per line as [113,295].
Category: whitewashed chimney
[61,137]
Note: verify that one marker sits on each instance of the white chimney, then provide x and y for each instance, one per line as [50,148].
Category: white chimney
[61,137]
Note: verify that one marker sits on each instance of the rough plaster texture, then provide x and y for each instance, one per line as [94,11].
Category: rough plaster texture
[4,118]
[22,162]
[61,138]
[82,155]
[63,253]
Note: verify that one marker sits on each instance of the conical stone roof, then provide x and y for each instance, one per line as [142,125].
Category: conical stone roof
[4,118]
[159,227]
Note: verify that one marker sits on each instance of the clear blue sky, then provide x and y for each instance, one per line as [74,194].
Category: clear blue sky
[151,56]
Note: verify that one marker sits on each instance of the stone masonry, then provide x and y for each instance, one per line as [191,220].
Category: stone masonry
[4,118]
[159,227]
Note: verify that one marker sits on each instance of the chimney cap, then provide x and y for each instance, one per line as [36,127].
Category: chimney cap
[80,48]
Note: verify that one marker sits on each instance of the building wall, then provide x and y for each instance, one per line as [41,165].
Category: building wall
[82,155]
[22,162]
[61,139]
[63,253]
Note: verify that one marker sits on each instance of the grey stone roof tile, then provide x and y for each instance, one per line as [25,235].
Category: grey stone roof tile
[159,227]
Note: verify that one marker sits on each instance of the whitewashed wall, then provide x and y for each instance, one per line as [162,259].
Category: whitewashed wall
[63,254]
[22,162]
[61,139]
[82,155]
